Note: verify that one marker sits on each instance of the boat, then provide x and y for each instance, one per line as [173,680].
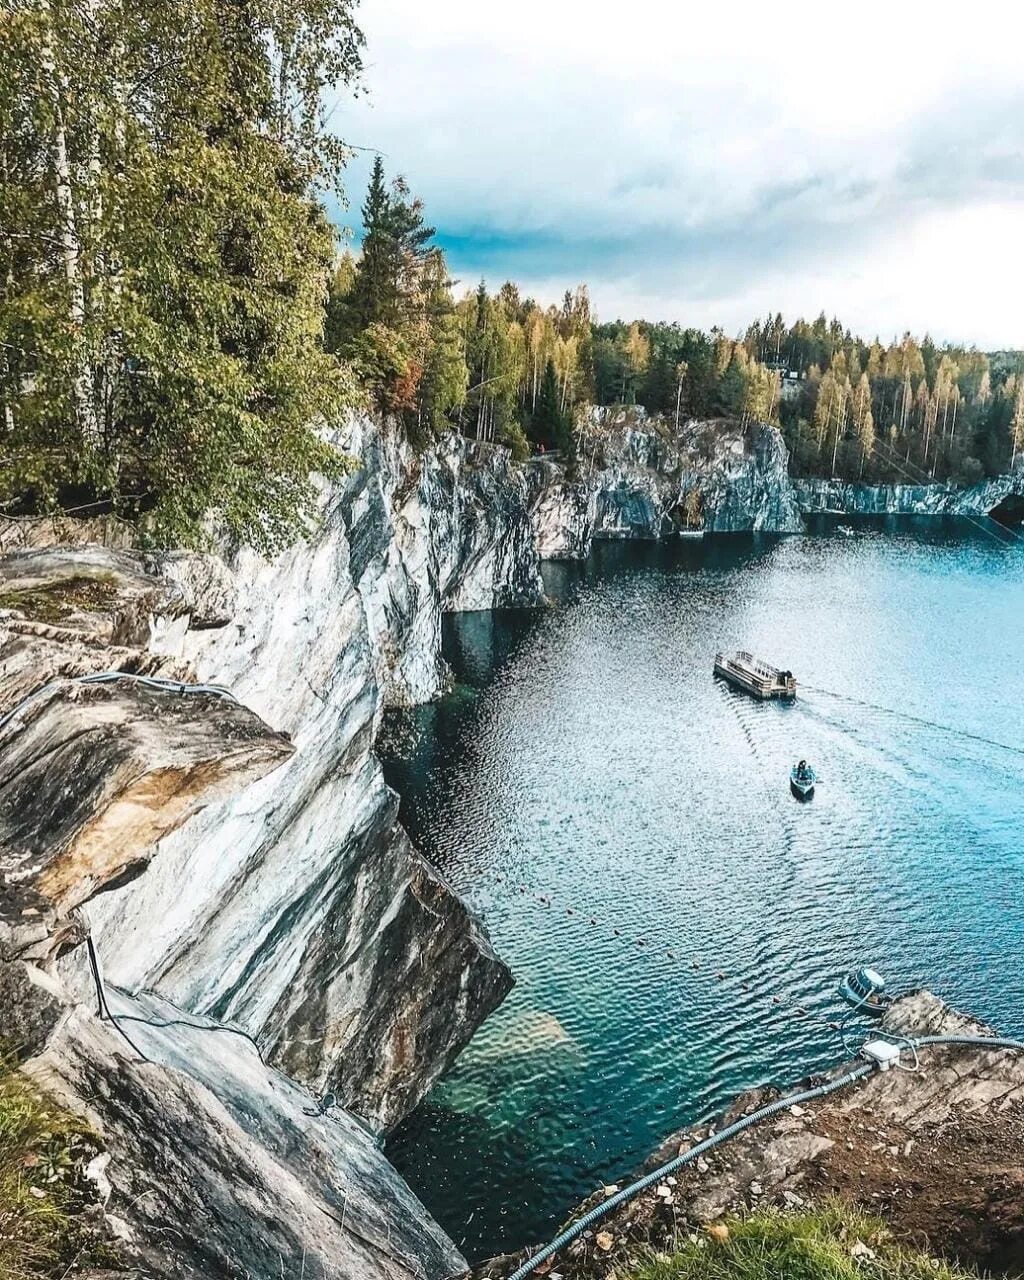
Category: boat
[865,990]
[802,779]
[754,676]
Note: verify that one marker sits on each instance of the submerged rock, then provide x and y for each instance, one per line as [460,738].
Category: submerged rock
[935,1151]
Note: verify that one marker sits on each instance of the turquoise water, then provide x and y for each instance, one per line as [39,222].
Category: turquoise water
[623,824]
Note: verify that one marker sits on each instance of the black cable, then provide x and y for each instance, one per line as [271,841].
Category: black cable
[103,1009]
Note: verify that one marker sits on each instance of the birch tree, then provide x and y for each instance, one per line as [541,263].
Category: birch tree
[164,256]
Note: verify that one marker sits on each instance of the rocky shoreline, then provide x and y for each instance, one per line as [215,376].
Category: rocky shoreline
[936,1152]
[1001,498]
[292,975]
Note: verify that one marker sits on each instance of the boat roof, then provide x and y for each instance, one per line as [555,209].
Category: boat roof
[743,658]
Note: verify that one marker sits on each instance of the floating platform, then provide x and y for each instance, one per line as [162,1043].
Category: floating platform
[759,679]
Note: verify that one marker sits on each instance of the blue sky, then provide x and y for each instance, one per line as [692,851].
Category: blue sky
[710,163]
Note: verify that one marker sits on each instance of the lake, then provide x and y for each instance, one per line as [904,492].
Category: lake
[675,919]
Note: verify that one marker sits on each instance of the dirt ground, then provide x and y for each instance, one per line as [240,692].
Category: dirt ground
[955,1189]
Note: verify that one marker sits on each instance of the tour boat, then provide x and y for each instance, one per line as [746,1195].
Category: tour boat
[754,676]
[802,779]
[865,990]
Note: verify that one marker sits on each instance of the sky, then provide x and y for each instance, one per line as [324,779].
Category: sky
[709,163]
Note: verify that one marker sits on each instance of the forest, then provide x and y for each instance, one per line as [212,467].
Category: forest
[179,320]
[501,367]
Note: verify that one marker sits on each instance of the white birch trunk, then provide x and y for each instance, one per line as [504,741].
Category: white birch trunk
[71,252]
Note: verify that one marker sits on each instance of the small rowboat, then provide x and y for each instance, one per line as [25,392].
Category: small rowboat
[864,989]
[802,779]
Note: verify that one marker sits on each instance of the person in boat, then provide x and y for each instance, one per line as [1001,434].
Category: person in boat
[804,771]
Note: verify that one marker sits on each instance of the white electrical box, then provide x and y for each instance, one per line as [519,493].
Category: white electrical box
[883,1052]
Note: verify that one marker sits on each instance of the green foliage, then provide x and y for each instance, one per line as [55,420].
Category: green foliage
[165,258]
[515,438]
[550,425]
[910,412]
[391,313]
[831,1243]
[42,1192]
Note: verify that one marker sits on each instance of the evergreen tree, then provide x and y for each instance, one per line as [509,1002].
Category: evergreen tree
[548,426]
[442,389]
[375,284]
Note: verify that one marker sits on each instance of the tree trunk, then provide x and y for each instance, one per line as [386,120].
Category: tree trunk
[71,250]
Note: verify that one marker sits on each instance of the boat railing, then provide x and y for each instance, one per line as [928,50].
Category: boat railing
[749,665]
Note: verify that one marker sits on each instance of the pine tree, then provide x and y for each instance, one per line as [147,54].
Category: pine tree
[547,426]
[374,285]
[442,389]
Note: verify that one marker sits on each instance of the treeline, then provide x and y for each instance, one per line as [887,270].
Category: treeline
[497,367]
[501,367]
[909,411]
[164,257]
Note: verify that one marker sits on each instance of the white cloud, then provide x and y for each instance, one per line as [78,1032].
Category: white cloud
[707,163]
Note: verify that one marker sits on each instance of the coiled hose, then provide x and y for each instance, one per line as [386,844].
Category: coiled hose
[108,677]
[730,1131]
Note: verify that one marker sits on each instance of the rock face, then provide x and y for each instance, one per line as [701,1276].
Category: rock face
[299,909]
[236,862]
[638,478]
[216,1165]
[1002,497]
[96,775]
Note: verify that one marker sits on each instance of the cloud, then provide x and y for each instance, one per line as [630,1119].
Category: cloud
[708,165]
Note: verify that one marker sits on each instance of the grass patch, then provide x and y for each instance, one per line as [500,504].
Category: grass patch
[59,601]
[44,1230]
[833,1242]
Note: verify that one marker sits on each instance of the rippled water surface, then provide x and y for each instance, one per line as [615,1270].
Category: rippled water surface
[623,824]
